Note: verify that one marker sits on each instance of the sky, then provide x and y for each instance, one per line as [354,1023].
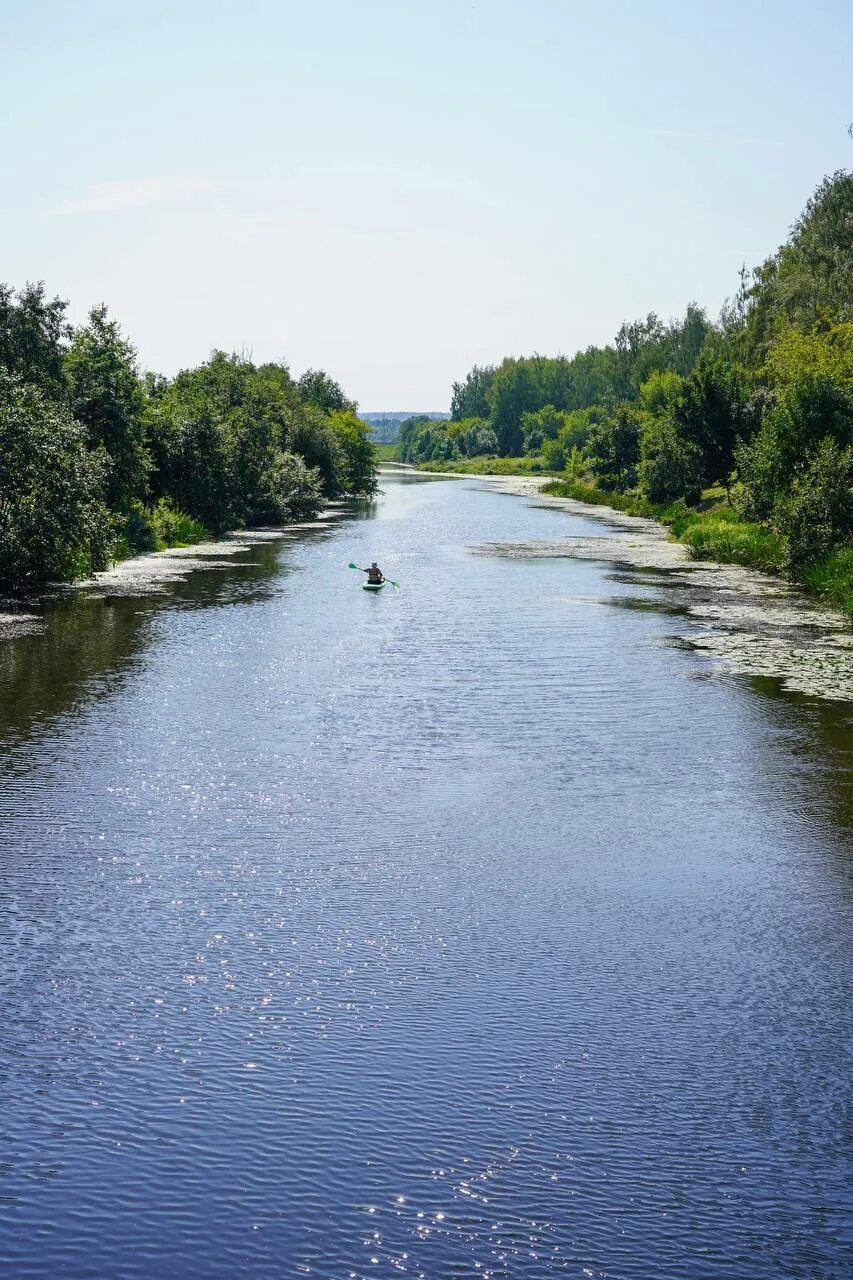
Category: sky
[395,190]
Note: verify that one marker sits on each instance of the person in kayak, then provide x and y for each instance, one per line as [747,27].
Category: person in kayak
[375,576]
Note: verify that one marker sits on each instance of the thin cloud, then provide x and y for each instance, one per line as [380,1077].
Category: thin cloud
[135,193]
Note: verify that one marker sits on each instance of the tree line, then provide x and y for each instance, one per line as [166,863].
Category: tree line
[99,461]
[758,404]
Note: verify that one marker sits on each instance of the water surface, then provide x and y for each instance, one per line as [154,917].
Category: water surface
[476,929]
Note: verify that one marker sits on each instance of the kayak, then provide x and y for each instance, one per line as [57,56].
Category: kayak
[373,586]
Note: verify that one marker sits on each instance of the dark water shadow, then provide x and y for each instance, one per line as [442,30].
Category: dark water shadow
[88,640]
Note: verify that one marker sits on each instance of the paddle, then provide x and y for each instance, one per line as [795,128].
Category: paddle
[358,566]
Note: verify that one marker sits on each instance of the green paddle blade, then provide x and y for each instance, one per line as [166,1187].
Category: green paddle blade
[352,566]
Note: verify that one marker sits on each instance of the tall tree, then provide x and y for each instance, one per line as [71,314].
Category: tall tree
[33,333]
[469,398]
[318,388]
[106,396]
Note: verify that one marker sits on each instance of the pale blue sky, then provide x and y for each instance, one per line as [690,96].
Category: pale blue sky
[394,191]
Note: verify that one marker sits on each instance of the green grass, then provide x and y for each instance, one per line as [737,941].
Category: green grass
[386,452]
[832,579]
[721,535]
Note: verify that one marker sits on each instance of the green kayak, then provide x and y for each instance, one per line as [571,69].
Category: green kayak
[372,586]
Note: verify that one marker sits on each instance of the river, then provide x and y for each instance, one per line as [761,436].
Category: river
[476,929]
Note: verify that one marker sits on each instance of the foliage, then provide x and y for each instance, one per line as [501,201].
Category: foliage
[488,466]
[660,391]
[469,398]
[808,281]
[553,455]
[423,439]
[317,388]
[155,529]
[295,489]
[33,330]
[225,438]
[721,535]
[53,522]
[670,466]
[710,413]
[816,514]
[98,459]
[173,527]
[614,448]
[810,399]
[357,453]
[106,396]
[188,448]
[539,425]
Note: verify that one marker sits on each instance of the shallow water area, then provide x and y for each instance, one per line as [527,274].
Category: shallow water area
[484,928]
[759,624]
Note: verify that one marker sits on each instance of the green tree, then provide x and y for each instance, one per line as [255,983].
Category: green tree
[295,490]
[190,457]
[809,399]
[358,453]
[670,467]
[317,388]
[310,434]
[469,398]
[106,396]
[614,449]
[711,413]
[539,425]
[808,281]
[514,392]
[54,524]
[33,333]
[816,514]
[553,455]
[660,391]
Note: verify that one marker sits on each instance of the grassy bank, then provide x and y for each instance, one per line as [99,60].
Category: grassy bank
[386,452]
[713,531]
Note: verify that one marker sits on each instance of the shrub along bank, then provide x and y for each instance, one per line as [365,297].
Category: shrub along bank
[99,461]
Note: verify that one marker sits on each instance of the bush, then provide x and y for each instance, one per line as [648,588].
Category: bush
[172,527]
